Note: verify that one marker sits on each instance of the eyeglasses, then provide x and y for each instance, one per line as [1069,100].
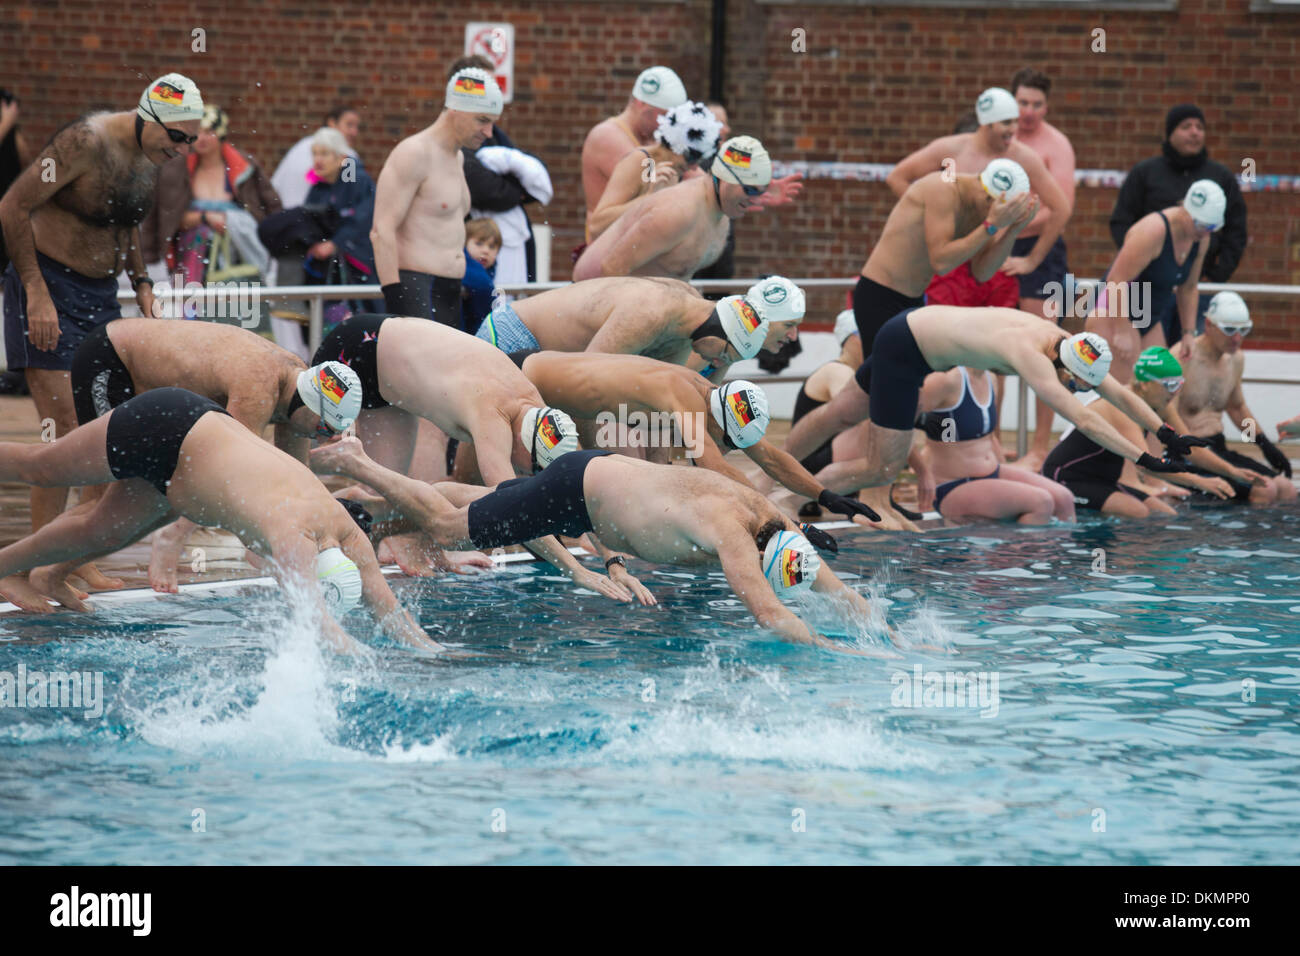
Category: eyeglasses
[175,135]
[1242,330]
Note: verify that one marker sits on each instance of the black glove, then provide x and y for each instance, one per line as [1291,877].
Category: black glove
[1276,457]
[1151,463]
[1179,445]
[841,505]
[819,539]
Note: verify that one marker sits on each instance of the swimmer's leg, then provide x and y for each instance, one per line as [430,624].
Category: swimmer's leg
[128,510]
[1121,504]
[998,500]
[850,406]
[77,457]
[881,460]
[389,436]
[1062,500]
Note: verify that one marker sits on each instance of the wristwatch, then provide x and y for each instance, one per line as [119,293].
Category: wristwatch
[616,559]
[135,283]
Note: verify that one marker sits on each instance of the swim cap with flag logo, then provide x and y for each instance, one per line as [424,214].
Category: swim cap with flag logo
[659,87]
[1005,179]
[743,326]
[332,391]
[995,105]
[741,411]
[1206,203]
[172,98]
[790,563]
[846,324]
[339,580]
[1227,310]
[743,161]
[1086,356]
[547,433]
[1157,364]
[777,299]
[472,90]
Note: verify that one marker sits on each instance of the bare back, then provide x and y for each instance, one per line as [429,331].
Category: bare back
[631,315]
[450,378]
[232,366]
[585,384]
[666,514]
[994,339]
[901,257]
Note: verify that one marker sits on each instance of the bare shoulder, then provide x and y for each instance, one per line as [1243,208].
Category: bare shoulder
[1027,157]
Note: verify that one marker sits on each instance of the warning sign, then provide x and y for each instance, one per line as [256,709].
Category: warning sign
[496,41]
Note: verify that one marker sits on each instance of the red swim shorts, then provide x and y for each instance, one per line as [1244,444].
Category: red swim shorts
[960,288]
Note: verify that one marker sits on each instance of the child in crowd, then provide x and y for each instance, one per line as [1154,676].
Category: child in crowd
[482,244]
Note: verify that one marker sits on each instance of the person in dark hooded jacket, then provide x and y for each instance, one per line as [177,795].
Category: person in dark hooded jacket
[1163,181]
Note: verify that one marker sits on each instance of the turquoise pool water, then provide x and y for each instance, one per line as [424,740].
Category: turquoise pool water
[1146,713]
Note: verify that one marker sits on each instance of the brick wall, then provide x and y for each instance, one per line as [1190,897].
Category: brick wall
[875,83]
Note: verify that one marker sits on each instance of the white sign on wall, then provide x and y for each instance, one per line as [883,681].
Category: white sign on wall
[496,41]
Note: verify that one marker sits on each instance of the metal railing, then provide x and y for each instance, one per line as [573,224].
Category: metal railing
[316,296]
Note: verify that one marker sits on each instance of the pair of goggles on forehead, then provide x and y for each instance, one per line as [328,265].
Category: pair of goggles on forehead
[176,136]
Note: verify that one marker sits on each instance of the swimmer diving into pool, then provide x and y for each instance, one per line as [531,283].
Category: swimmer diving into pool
[256,382]
[684,516]
[936,338]
[734,415]
[170,451]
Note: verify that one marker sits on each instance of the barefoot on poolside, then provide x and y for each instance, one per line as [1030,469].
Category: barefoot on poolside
[465,562]
[96,580]
[164,561]
[409,553]
[54,585]
[17,591]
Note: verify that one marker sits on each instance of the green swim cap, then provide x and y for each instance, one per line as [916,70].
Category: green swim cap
[1156,363]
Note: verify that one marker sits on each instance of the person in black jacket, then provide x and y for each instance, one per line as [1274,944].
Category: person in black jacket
[1163,181]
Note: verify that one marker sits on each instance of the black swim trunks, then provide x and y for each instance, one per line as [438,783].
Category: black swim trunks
[874,305]
[425,296]
[526,508]
[145,434]
[1036,284]
[100,381]
[899,369]
[355,342]
[82,304]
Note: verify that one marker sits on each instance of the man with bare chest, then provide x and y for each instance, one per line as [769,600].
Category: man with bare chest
[998,114]
[421,201]
[71,224]
[680,230]
[666,319]
[1213,370]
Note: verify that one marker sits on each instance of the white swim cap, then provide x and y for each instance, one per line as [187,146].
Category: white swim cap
[332,391]
[547,433]
[170,99]
[659,87]
[339,579]
[790,563]
[740,409]
[1205,203]
[744,328]
[846,324]
[743,161]
[777,299]
[1229,309]
[1005,179]
[1087,356]
[994,105]
[691,131]
[472,90]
